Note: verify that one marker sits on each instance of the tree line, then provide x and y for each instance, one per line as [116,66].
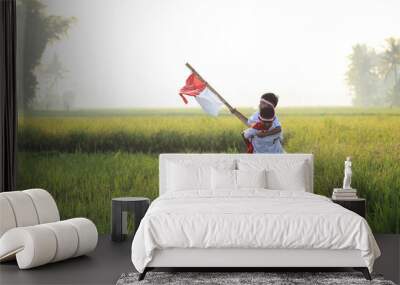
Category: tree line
[35,30]
[374,77]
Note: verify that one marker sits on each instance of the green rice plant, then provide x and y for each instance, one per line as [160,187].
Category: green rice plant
[87,157]
[84,184]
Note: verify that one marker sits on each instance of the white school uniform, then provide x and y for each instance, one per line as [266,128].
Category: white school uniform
[268,144]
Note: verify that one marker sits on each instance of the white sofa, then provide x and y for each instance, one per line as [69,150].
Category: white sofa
[31,231]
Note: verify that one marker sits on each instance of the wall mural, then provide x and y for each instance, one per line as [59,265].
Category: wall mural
[99,95]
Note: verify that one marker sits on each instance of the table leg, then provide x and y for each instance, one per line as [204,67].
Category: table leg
[116,222]
[124,223]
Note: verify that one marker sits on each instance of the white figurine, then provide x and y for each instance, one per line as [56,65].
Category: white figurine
[347,173]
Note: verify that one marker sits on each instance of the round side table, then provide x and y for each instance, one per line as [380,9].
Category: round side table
[119,212]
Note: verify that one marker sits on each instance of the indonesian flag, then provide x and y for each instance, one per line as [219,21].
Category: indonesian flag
[197,88]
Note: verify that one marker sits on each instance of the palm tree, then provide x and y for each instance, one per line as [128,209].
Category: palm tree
[390,67]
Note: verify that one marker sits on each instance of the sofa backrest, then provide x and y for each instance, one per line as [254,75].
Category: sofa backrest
[26,208]
[285,163]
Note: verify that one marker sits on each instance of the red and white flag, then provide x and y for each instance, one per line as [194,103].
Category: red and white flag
[204,96]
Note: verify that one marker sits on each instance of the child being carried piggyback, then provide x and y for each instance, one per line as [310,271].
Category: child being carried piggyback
[266,143]
[266,100]
[265,132]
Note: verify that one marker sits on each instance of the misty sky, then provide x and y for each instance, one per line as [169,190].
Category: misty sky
[131,53]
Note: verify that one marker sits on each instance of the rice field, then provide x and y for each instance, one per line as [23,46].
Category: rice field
[84,158]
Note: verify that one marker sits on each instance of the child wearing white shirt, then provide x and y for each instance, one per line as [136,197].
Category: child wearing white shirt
[270,143]
[267,99]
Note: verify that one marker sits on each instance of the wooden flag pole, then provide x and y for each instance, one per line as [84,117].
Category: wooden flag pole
[235,112]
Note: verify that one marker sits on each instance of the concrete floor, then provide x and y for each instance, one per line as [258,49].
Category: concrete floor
[110,260]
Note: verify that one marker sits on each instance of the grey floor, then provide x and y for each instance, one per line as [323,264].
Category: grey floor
[102,266]
[110,260]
